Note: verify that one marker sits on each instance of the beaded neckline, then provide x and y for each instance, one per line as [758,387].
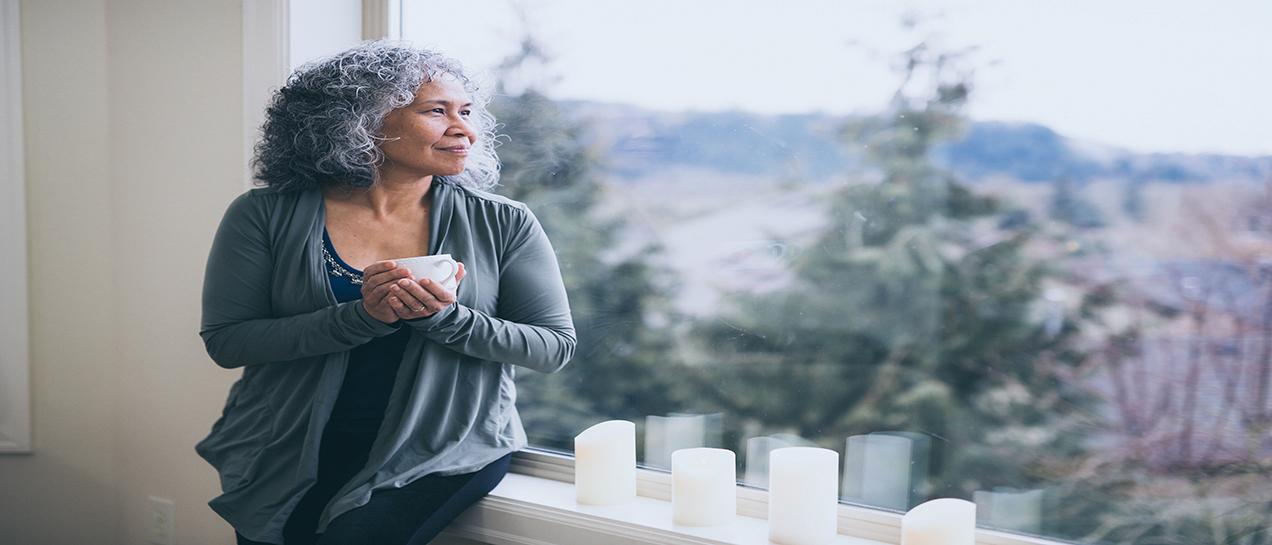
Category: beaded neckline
[334,268]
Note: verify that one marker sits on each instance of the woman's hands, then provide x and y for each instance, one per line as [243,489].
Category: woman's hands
[411,298]
[377,281]
[390,293]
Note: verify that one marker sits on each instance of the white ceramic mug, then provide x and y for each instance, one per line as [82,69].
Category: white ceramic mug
[439,268]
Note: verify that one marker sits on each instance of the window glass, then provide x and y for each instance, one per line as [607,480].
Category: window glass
[1014,252]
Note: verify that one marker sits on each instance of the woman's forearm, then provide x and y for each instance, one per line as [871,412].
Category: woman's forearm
[473,333]
[332,329]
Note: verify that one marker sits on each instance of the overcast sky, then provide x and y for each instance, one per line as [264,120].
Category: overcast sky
[1147,75]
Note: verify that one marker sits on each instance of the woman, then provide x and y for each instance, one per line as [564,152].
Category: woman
[374,407]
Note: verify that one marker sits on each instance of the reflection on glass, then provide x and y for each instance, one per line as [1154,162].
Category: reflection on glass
[1009,509]
[885,469]
[667,434]
[1051,310]
[757,455]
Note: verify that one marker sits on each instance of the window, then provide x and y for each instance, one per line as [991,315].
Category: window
[1013,252]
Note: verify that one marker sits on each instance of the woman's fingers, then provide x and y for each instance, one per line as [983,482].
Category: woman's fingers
[423,298]
[381,272]
[407,307]
[403,310]
[374,301]
[374,293]
[378,267]
[386,284]
[401,289]
[427,288]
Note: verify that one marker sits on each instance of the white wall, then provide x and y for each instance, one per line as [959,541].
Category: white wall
[133,148]
[66,487]
[175,110]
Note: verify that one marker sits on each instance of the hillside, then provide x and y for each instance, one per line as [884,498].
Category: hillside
[639,142]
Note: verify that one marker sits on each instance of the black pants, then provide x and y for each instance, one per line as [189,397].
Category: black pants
[411,515]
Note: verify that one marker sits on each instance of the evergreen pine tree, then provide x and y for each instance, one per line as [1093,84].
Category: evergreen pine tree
[910,312]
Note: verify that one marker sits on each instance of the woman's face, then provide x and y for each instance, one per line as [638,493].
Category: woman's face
[432,135]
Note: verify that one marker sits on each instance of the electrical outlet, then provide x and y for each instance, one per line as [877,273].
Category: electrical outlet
[163,521]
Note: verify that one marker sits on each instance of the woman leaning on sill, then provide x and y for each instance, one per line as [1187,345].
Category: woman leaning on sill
[374,407]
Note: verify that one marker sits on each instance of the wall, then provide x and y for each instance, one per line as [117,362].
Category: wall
[66,487]
[175,90]
[133,116]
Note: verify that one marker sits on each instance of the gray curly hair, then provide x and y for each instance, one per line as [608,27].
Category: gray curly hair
[322,127]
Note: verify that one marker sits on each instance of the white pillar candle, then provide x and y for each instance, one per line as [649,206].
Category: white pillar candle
[703,486]
[803,495]
[945,521]
[757,455]
[605,463]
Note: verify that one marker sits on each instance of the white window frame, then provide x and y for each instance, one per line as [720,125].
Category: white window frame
[266,33]
[15,339]
[512,514]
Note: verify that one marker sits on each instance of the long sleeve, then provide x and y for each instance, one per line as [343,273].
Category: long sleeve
[239,327]
[532,327]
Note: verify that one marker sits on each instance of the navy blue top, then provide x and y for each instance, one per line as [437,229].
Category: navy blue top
[373,366]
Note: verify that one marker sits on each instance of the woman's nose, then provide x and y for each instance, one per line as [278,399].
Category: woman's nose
[462,127]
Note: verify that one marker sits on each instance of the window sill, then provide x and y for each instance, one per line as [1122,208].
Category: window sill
[525,510]
[534,505]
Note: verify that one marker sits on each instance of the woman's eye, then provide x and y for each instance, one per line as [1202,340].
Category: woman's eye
[466,113]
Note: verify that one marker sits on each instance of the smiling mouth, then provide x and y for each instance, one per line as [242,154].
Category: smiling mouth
[458,151]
